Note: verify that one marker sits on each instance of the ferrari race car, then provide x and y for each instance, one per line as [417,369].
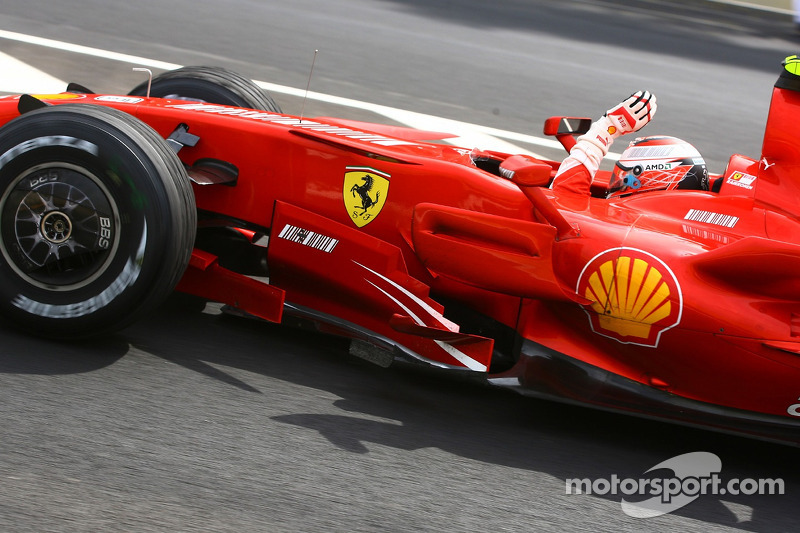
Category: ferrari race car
[680,305]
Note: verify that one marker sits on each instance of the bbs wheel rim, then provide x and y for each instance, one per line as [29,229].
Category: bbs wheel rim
[58,226]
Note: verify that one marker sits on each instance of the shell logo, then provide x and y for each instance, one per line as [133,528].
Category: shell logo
[636,296]
[59,96]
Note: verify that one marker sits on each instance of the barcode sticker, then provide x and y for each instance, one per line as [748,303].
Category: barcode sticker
[308,238]
[708,217]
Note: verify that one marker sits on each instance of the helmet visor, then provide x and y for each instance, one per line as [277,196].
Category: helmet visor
[625,179]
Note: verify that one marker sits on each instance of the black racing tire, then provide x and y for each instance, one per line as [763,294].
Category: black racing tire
[97,220]
[214,85]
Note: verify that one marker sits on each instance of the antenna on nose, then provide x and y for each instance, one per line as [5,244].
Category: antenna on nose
[305,97]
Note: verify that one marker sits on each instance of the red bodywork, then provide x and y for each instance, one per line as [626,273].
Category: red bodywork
[683,305]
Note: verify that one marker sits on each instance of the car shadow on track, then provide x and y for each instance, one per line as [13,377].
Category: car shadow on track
[409,408]
[27,354]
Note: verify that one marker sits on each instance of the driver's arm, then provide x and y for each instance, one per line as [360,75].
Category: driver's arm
[575,174]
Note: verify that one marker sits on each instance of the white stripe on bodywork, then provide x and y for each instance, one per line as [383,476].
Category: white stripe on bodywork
[436,315]
[455,353]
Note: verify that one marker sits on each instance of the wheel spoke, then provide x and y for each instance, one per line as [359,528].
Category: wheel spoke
[56,237]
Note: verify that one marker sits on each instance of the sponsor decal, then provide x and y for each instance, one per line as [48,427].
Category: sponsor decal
[708,217]
[657,166]
[118,99]
[364,193]
[705,234]
[740,179]
[636,296]
[60,96]
[794,409]
[308,238]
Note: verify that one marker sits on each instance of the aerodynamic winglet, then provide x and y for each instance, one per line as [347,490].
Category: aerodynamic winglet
[30,103]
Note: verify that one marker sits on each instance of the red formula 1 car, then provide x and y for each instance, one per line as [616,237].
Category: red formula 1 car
[681,305]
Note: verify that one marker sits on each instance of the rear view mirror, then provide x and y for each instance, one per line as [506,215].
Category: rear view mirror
[567,126]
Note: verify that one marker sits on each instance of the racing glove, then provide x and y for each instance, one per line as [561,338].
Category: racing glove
[577,170]
[629,116]
[632,114]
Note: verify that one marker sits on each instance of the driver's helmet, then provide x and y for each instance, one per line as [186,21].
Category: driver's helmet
[658,163]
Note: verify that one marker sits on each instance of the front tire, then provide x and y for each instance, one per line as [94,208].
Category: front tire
[97,220]
[214,85]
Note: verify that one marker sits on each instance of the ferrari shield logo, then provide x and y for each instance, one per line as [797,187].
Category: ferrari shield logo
[636,296]
[365,190]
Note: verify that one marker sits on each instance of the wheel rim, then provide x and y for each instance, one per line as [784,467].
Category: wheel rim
[59,226]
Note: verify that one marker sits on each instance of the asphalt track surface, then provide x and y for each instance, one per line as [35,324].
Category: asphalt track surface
[196,421]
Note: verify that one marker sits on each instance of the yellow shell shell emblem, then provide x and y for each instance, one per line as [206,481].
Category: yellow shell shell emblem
[59,96]
[364,193]
[636,296]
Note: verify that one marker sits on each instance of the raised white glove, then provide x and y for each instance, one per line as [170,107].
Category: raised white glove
[629,116]
[632,114]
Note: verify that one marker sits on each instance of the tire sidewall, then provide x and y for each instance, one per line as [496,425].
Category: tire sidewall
[195,89]
[123,170]
[214,85]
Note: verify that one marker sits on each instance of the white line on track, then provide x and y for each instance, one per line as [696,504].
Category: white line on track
[758,7]
[19,77]
[470,135]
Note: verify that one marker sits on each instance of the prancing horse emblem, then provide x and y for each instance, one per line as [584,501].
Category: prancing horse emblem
[364,193]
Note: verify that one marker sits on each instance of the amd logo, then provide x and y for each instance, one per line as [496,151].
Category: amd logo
[658,166]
